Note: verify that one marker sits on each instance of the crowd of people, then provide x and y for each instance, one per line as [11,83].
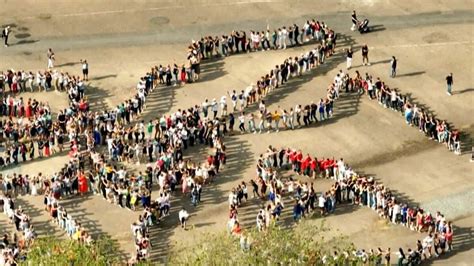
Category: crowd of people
[160,144]
[60,216]
[348,187]
[241,41]
[390,98]
[163,140]
[28,129]
[238,41]
[13,246]
[30,132]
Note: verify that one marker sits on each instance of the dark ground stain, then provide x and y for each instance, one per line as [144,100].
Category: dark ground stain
[159,20]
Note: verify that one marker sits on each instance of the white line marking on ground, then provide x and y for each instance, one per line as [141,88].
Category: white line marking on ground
[108,12]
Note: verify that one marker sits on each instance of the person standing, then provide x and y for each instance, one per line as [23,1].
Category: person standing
[85,70]
[349,58]
[50,55]
[355,22]
[393,64]
[284,35]
[242,122]
[449,83]
[365,55]
[183,217]
[5,33]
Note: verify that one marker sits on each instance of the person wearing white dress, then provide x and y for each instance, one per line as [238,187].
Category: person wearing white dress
[34,189]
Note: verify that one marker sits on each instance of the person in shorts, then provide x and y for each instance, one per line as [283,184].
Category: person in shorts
[85,70]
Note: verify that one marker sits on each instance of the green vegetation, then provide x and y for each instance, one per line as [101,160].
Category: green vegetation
[302,245]
[51,251]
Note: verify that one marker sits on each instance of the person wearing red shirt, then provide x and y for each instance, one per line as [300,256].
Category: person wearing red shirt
[299,158]
[83,105]
[326,165]
[292,157]
[449,236]
[330,168]
[305,165]
[210,159]
[321,166]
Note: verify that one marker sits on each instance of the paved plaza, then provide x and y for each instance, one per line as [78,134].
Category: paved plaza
[123,39]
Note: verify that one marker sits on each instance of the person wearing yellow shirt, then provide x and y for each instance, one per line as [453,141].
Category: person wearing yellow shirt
[276,118]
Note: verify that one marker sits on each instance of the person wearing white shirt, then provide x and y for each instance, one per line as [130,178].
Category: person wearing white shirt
[214,107]
[396,210]
[51,58]
[280,38]
[223,104]
[183,217]
[184,137]
[321,203]
[341,169]
[428,244]
[55,77]
[233,98]
[284,34]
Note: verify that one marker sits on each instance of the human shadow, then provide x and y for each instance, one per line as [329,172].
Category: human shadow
[159,102]
[26,42]
[466,142]
[411,74]
[97,98]
[381,62]
[373,63]
[104,77]
[68,64]
[467,90]
[22,35]
[377,27]
[212,69]
[37,159]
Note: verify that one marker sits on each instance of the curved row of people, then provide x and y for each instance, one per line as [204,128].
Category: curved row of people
[349,187]
[78,118]
[416,116]
[49,135]
[14,249]
[250,41]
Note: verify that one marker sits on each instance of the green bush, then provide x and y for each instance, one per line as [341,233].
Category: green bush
[51,251]
[302,245]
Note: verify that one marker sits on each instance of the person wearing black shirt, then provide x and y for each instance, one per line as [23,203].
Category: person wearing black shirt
[349,58]
[5,33]
[449,83]
[296,34]
[365,55]
[355,22]
[168,75]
